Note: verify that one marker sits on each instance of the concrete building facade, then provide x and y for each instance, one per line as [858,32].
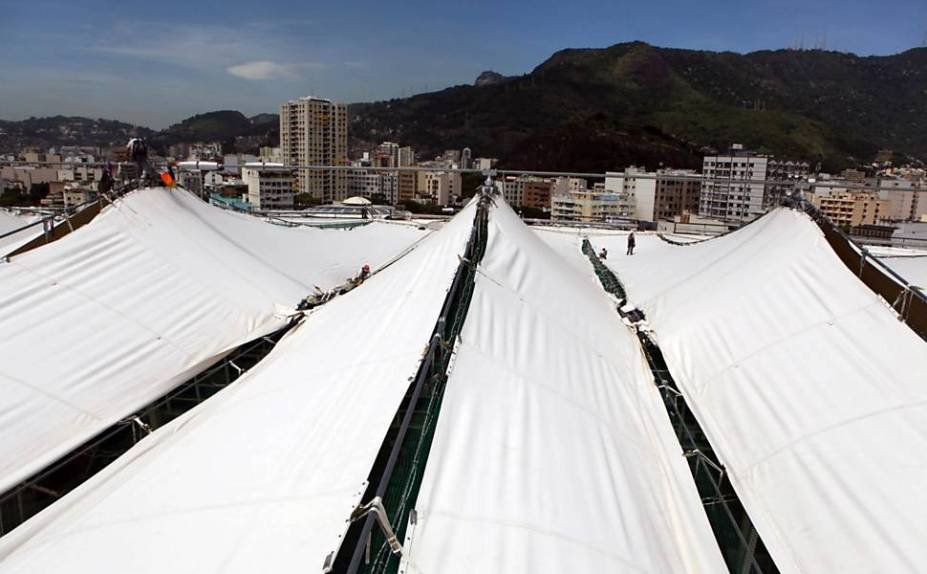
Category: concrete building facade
[270,185]
[851,208]
[739,196]
[590,206]
[314,131]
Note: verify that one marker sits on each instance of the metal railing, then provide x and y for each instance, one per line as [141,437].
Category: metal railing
[909,301]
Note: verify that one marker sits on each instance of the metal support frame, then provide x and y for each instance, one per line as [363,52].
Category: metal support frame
[42,489]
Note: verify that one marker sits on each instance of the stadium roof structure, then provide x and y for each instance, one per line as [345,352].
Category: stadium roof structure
[264,475]
[808,386]
[911,264]
[483,404]
[158,287]
[553,452]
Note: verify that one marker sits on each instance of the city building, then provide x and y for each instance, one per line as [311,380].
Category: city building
[192,175]
[314,131]
[590,206]
[484,163]
[389,186]
[466,158]
[906,198]
[781,176]
[386,155]
[437,187]
[850,209]
[639,192]
[406,186]
[661,195]
[270,185]
[364,184]
[536,193]
[406,157]
[512,189]
[270,154]
[568,185]
[676,193]
[78,195]
[204,151]
[754,183]
[526,191]
[739,196]
[232,162]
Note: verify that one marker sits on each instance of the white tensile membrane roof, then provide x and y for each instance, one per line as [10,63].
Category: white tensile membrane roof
[553,451]
[912,268]
[263,476]
[811,391]
[10,222]
[910,264]
[111,317]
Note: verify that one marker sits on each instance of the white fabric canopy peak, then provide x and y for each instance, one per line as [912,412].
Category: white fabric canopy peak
[263,476]
[113,316]
[553,451]
[811,391]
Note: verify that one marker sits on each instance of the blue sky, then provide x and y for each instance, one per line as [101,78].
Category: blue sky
[157,62]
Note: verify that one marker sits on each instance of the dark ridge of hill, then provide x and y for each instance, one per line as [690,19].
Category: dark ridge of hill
[60,131]
[635,103]
[233,129]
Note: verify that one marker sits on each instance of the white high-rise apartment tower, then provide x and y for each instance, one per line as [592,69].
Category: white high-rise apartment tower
[314,131]
[736,185]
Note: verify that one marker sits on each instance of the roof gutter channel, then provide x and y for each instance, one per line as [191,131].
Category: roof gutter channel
[396,475]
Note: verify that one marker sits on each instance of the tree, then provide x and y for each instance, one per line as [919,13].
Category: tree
[528,212]
[469,184]
[13,196]
[416,207]
[37,192]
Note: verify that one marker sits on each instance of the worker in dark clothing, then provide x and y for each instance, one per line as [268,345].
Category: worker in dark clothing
[106,181]
[631,243]
[603,254]
[138,153]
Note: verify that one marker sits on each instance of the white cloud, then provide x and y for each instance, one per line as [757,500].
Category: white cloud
[262,70]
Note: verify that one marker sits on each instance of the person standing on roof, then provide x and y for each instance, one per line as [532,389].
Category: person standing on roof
[631,243]
[138,153]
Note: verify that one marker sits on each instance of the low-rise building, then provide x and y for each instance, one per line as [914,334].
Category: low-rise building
[537,192]
[526,191]
[364,184]
[192,175]
[850,208]
[270,185]
[590,206]
[437,187]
